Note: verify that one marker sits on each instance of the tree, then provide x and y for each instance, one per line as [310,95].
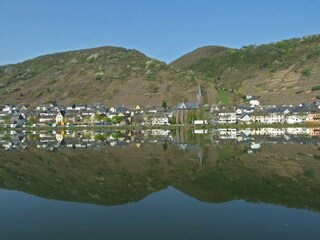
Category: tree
[86,119]
[6,119]
[33,119]
[116,119]
[164,104]
[191,116]
[97,117]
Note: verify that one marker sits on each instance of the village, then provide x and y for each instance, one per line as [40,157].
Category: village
[185,113]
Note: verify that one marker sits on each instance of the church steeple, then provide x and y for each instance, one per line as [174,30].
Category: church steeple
[199,96]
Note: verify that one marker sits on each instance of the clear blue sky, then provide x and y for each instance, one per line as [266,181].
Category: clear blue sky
[162,29]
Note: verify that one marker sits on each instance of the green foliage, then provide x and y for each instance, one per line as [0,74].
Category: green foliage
[86,119]
[165,145]
[37,94]
[116,135]
[306,72]
[223,97]
[308,173]
[315,88]
[97,117]
[6,119]
[231,67]
[116,119]
[153,88]
[51,81]
[191,116]
[225,153]
[164,104]
[99,75]
[33,120]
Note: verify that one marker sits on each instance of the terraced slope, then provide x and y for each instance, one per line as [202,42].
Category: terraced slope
[109,75]
[284,72]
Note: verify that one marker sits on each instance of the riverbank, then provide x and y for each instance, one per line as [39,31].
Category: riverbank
[165,127]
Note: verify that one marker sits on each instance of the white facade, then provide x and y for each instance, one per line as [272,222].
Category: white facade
[254,103]
[46,117]
[227,117]
[292,119]
[59,118]
[160,121]
[200,122]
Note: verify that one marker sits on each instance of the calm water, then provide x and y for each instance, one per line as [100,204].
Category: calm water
[225,184]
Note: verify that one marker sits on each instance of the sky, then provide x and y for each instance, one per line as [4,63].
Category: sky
[161,29]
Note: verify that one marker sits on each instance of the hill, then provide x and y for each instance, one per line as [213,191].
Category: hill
[284,72]
[188,59]
[109,75]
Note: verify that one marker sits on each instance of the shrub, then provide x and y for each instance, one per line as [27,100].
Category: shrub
[37,94]
[306,72]
[315,88]
[51,81]
[98,75]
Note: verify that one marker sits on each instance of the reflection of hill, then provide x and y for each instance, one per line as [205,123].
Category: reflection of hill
[288,175]
[110,176]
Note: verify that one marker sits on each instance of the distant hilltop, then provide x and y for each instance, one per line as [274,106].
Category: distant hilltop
[286,72]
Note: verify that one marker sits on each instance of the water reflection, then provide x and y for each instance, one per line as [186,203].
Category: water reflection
[278,166]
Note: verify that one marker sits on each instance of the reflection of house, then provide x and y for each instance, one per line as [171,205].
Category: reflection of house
[314,131]
[294,131]
[227,133]
[227,117]
[255,145]
[187,147]
[59,137]
[314,117]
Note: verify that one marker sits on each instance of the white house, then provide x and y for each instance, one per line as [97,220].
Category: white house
[200,122]
[292,119]
[245,118]
[60,117]
[227,117]
[254,103]
[160,121]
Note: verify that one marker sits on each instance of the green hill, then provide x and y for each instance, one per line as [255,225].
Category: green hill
[284,72]
[188,59]
[109,75]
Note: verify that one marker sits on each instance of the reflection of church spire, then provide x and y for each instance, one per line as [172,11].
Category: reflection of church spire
[200,156]
[199,96]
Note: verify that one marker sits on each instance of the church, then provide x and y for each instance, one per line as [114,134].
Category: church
[181,109]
